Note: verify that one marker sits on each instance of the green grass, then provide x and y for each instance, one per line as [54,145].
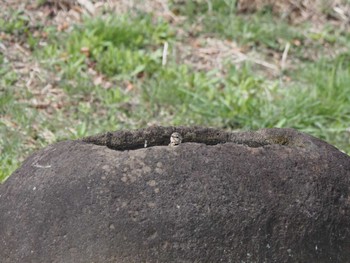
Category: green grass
[324,100]
[118,47]
[15,123]
[16,22]
[218,18]
[262,31]
[126,51]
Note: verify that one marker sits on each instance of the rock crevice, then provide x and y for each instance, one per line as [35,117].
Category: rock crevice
[159,136]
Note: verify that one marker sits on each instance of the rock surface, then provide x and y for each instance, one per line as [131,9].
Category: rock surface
[275,195]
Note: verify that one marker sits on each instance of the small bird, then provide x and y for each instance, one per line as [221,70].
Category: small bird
[175,139]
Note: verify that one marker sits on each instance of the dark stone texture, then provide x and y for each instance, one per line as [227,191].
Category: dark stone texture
[269,196]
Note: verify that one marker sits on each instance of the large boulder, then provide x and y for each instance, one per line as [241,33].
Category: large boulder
[274,195]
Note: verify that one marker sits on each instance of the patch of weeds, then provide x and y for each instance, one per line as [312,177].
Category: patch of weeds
[7,77]
[169,85]
[207,98]
[16,25]
[8,158]
[317,103]
[15,22]
[12,117]
[18,122]
[193,8]
[11,145]
[261,30]
[123,49]
[219,18]
[329,36]
[115,46]
[112,96]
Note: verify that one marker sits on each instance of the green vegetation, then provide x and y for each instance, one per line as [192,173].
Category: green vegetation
[15,122]
[16,22]
[262,31]
[110,76]
[117,46]
[219,18]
